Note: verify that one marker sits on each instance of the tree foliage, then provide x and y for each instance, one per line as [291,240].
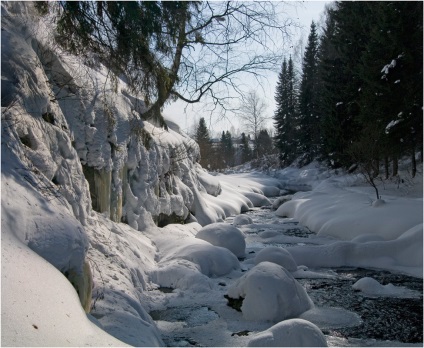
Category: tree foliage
[309,136]
[360,98]
[174,49]
[205,145]
[285,117]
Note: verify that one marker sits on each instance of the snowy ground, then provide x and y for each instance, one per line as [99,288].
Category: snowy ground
[154,286]
[187,316]
[181,280]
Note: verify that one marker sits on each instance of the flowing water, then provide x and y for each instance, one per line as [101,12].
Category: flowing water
[352,319]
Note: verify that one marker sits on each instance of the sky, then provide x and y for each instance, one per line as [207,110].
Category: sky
[187,116]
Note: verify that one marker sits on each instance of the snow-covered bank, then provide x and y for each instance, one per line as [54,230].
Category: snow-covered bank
[388,235]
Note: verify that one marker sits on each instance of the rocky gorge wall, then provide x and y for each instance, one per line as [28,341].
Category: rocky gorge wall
[78,135]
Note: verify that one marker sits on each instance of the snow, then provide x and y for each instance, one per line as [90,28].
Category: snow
[224,235]
[392,124]
[270,293]
[211,260]
[242,219]
[403,254]
[371,287]
[290,333]
[340,213]
[277,255]
[82,195]
[39,305]
[331,317]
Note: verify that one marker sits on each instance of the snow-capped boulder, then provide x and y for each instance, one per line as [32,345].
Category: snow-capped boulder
[257,199]
[211,260]
[242,219]
[277,255]
[181,274]
[271,191]
[281,200]
[224,235]
[290,333]
[371,287]
[270,293]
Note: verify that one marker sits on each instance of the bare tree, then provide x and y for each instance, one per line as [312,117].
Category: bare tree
[366,152]
[253,115]
[185,50]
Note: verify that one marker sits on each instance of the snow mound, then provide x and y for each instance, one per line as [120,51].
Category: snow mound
[211,260]
[345,215]
[270,293]
[271,191]
[181,274]
[257,199]
[331,318]
[209,182]
[404,254]
[371,287]
[224,235]
[277,255]
[280,200]
[42,315]
[290,333]
[242,219]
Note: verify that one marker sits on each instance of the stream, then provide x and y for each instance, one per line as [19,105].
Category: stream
[353,318]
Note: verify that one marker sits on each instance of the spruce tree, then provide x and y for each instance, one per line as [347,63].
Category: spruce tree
[226,150]
[264,143]
[246,152]
[285,116]
[309,137]
[203,139]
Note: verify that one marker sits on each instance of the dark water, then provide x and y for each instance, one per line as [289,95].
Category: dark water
[383,318]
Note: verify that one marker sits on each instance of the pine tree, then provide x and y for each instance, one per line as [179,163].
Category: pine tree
[309,137]
[226,150]
[370,67]
[264,143]
[246,152]
[203,139]
[285,116]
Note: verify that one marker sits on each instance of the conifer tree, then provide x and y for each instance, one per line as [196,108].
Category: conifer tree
[226,150]
[309,136]
[203,139]
[246,152]
[285,117]
[264,143]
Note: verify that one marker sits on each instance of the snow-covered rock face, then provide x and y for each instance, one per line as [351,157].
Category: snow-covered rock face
[77,123]
[226,236]
[290,333]
[270,293]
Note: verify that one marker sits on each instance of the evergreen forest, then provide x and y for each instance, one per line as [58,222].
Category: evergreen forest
[358,99]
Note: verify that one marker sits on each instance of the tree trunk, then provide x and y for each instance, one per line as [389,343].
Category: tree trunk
[376,169]
[395,165]
[414,162]
[386,167]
